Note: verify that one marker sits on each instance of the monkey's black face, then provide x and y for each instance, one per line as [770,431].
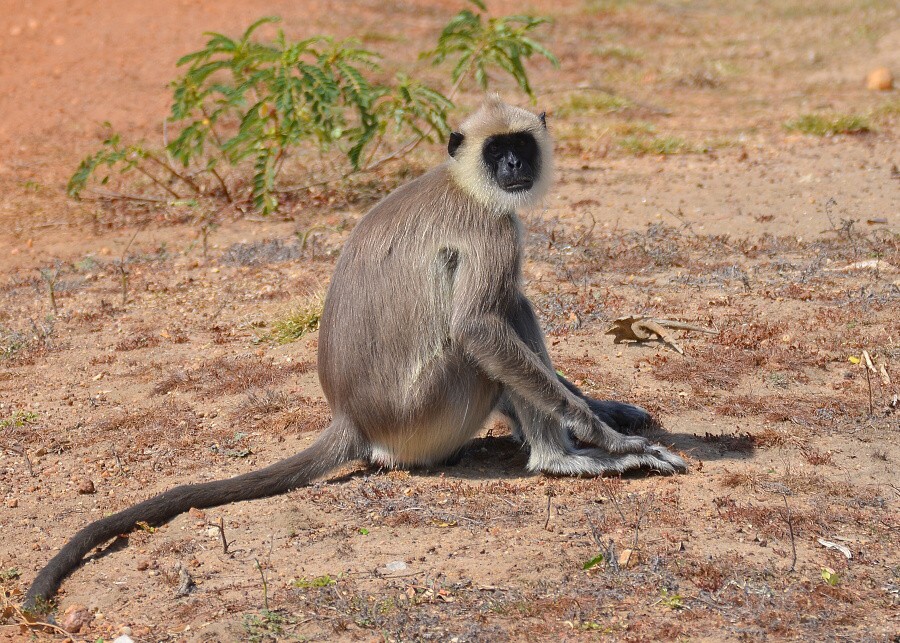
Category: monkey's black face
[514,160]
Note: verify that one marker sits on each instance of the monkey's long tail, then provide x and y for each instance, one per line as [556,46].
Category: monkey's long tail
[331,449]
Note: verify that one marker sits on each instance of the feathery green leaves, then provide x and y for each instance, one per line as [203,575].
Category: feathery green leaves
[476,45]
[243,103]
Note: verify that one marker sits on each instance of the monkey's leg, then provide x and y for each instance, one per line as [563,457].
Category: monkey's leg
[627,418]
[624,418]
[505,407]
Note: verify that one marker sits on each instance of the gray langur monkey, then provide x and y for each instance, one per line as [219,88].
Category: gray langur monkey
[425,332]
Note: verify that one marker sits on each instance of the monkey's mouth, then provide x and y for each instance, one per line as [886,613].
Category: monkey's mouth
[522,185]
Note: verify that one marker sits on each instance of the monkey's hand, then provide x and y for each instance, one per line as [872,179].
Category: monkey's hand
[612,442]
[582,422]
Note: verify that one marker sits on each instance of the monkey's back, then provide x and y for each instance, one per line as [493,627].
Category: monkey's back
[385,340]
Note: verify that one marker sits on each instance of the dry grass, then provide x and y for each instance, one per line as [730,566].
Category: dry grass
[280,414]
[663,145]
[230,375]
[138,341]
[711,368]
[804,411]
[766,519]
[171,424]
[303,318]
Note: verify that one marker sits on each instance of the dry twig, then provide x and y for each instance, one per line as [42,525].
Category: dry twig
[637,328]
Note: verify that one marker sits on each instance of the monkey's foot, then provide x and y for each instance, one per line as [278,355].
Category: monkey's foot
[594,462]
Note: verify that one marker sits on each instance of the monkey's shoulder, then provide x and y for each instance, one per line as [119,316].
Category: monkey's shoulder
[434,190]
[432,212]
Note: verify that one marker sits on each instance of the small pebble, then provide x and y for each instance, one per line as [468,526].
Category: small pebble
[880,79]
[75,618]
[12,503]
[86,486]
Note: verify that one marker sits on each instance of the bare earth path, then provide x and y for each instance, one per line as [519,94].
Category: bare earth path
[749,228]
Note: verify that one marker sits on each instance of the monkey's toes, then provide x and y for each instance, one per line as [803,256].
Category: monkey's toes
[661,453]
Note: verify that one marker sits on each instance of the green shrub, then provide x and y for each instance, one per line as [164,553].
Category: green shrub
[247,104]
[829,124]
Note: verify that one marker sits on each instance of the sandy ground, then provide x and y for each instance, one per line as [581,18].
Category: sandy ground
[754,230]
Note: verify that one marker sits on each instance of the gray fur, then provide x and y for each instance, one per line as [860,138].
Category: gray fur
[426,332]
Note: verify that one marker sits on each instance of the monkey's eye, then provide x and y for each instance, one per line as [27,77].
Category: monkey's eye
[492,149]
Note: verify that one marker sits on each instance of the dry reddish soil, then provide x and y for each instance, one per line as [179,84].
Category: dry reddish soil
[751,229]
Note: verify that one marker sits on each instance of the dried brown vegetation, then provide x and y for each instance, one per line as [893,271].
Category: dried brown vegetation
[228,376]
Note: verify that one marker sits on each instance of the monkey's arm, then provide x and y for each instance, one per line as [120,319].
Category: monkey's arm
[624,418]
[499,351]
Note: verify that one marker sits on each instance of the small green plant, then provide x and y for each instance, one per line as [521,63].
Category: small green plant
[14,342]
[593,626]
[363,531]
[145,526]
[51,277]
[830,576]
[593,562]
[11,342]
[664,145]
[477,44]
[18,419]
[318,581]
[593,102]
[268,625]
[42,607]
[671,600]
[86,264]
[829,124]
[10,574]
[265,585]
[302,319]
[247,105]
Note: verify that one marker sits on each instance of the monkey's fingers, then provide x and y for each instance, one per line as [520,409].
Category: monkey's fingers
[600,434]
[624,418]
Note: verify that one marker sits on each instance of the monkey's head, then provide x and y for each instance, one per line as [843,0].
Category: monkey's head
[502,156]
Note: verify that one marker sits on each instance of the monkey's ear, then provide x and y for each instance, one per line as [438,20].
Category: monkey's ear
[456,139]
[543,117]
